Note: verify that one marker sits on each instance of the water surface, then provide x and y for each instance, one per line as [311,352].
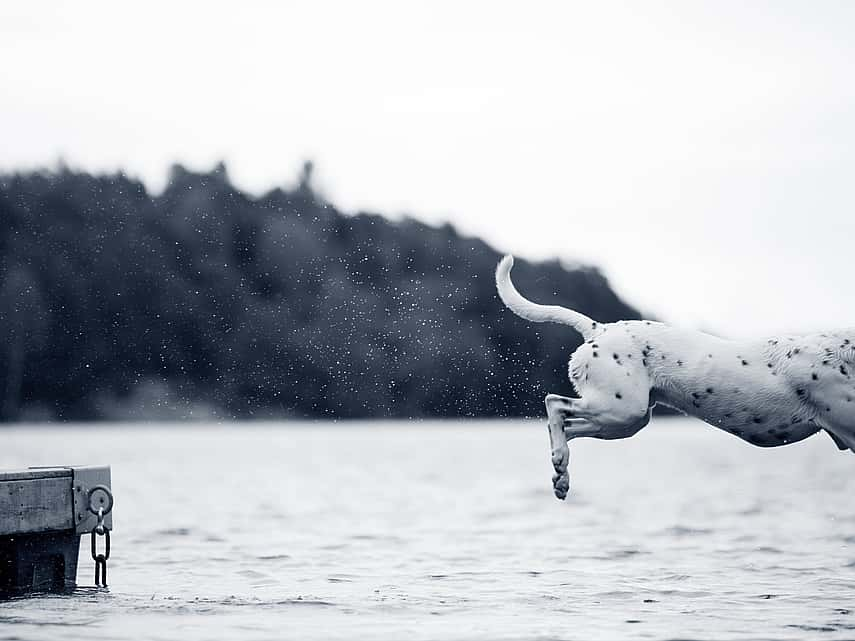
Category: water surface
[429,530]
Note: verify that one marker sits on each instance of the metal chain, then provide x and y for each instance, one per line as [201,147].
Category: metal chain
[101,530]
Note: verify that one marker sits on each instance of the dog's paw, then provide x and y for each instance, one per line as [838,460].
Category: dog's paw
[561,485]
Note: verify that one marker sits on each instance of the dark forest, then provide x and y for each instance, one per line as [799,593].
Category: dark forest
[205,301]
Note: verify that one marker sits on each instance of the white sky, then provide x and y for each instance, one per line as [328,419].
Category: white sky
[701,154]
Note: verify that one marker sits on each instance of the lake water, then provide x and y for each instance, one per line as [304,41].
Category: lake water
[429,530]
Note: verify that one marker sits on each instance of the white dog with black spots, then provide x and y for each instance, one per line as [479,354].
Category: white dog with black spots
[768,393]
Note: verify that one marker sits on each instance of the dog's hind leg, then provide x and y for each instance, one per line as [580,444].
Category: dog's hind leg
[558,409]
[591,416]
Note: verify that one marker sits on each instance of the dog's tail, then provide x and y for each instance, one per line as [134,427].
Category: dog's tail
[534,312]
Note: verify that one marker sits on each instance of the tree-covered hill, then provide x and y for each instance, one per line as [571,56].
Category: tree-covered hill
[118,303]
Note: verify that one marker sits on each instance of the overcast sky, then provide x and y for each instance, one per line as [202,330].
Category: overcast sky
[701,154]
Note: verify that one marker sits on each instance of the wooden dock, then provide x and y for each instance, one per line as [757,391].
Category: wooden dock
[43,513]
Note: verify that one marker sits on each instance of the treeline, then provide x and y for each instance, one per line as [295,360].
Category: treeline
[117,303]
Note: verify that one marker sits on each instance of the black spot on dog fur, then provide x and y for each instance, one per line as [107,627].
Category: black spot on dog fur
[843,371]
[800,392]
[744,362]
[680,363]
[814,376]
[596,355]
[617,395]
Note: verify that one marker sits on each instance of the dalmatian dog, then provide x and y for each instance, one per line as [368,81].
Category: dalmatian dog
[768,392]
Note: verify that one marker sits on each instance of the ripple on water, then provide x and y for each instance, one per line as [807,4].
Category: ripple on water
[206,604]
[175,531]
[680,531]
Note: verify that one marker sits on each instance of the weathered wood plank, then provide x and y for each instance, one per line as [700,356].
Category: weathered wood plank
[35,473]
[36,505]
